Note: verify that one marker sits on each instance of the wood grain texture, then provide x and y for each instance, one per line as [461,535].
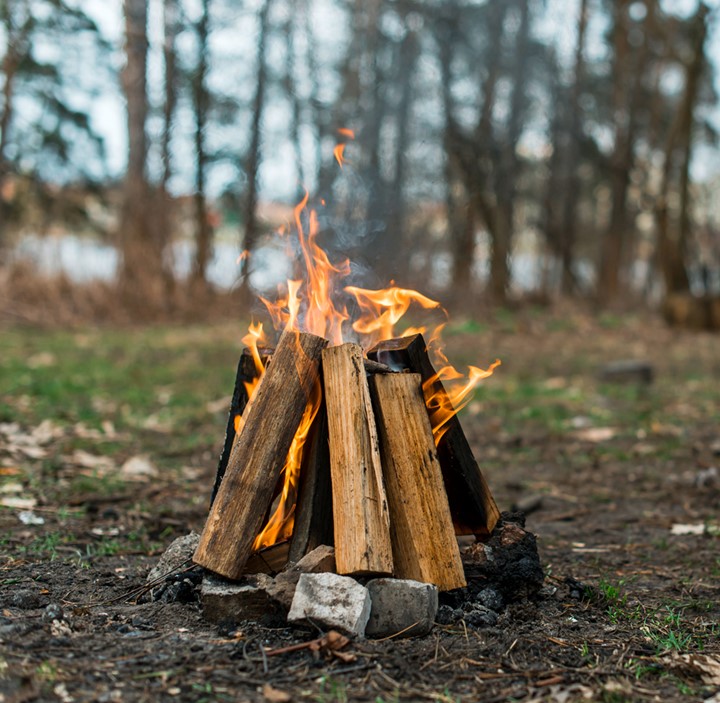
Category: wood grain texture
[472,505]
[258,455]
[360,510]
[423,538]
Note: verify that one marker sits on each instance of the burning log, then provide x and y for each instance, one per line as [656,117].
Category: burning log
[472,505]
[421,528]
[313,514]
[247,372]
[256,460]
[361,521]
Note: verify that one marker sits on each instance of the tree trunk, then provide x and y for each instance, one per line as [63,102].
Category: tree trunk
[572,168]
[15,38]
[628,75]
[294,98]
[251,232]
[673,242]
[140,285]
[507,172]
[171,28]
[9,68]
[395,203]
[201,100]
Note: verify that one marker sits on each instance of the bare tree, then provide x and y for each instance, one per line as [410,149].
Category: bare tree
[201,104]
[673,242]
[140,279]
[171,29]
[251,226]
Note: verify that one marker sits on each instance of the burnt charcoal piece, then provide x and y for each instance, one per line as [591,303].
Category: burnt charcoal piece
[479,616]
[508,562]
[447,615]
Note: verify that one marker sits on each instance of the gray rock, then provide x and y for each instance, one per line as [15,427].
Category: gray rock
[320,560]
[628,371]
[53,611]
[176,556]
[224,600]
[331,601]
[401,607]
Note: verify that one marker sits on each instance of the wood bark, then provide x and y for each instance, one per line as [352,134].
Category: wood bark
[258,455]
[314,511]
[421,528]
[246,373]
[360,514]
[472,505]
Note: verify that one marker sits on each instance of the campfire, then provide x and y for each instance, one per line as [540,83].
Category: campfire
[346,434]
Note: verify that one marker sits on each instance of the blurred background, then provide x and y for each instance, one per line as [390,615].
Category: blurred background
[495,150]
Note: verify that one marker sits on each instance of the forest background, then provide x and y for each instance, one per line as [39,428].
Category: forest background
[500,149]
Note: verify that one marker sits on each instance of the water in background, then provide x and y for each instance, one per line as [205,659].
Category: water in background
[83,259]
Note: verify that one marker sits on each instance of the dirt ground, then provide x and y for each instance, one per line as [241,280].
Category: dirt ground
[621,479]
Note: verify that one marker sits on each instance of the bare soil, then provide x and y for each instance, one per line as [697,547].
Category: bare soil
[623,490]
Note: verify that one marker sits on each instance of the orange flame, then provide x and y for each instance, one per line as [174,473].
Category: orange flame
[311,299]
[251,340]
[383,309]
[309,305]
[339,150]
[444,404]
[280,525]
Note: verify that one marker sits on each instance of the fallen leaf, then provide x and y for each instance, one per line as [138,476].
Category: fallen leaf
[707,666]
[31,452]
[18,502]
[595,434]
[679,529]
[138,468]
[41,360]
[275,695]
[11,488]
[101,464]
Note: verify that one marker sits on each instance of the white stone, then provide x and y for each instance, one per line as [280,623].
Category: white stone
[331,601]
[401,607]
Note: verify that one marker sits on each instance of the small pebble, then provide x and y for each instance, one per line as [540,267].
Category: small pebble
[491,599]
[52,612]
[445,615]
[480,616]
